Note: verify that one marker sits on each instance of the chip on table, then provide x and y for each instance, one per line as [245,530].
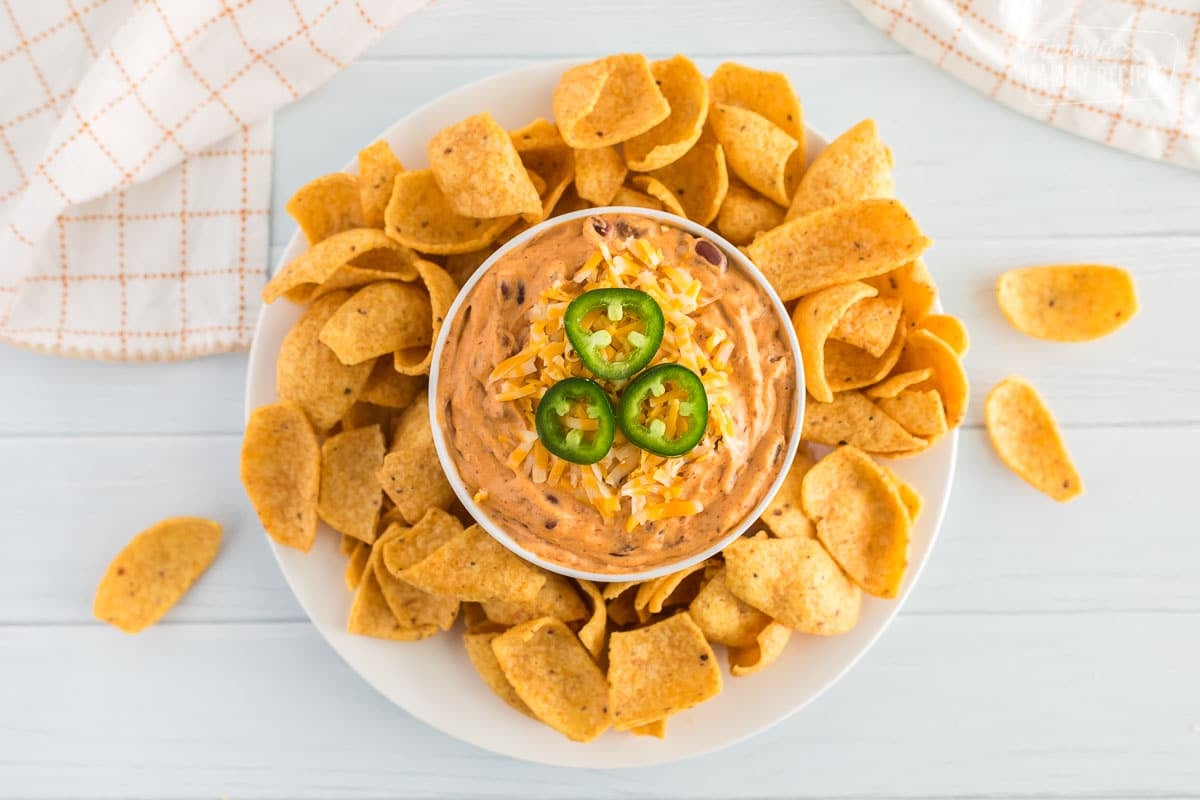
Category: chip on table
[154,571]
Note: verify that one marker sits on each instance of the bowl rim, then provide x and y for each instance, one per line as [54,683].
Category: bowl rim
[450,467]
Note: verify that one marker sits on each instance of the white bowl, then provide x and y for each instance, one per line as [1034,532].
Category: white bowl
[433,680]
[450,466]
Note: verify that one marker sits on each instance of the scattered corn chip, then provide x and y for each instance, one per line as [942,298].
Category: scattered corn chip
[349,276]
[410,546]
[154,570]
[541,134]
[1067,302]
[848,367]
[657,729]
[414,609]
[356,563]
[477,621]
[1026,437]
[364,415]
[389,388]
[913,502]
[767,93]
[620,609]
[370,614]
[653,594]
[615,589]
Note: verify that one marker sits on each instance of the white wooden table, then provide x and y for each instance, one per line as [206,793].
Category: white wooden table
[1048,651]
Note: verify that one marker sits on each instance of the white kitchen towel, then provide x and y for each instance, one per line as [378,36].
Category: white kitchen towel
[1122,72]
[135,162]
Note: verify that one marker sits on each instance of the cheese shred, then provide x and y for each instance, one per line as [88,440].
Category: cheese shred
[648,487]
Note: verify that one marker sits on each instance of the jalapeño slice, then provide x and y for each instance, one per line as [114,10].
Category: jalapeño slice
[615,331]
[575,421]
[664,410]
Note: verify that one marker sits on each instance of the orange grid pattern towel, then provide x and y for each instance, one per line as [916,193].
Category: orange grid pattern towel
[135,162]
[1122,72]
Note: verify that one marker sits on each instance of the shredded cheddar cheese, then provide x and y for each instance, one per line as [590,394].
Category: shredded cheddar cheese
[646,485]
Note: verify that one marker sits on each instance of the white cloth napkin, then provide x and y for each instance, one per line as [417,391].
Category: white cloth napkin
[135,162]
[1122,72]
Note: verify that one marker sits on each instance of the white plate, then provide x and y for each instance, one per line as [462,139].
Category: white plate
[434,681]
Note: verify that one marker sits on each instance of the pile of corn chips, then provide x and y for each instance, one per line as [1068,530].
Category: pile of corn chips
[349,441]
